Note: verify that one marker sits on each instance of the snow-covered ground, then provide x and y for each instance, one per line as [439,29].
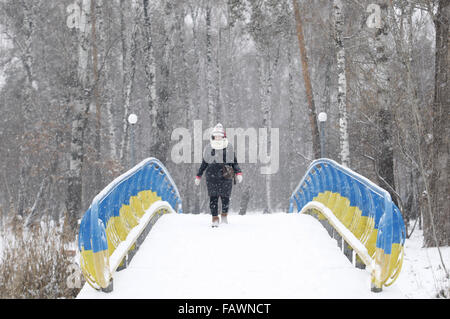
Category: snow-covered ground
[260,256]
[422,275]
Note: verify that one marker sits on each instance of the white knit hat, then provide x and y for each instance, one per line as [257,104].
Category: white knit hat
[218,130]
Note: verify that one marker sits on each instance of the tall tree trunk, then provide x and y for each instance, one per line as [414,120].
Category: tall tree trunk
[231,96]
[266,73]
[307,81]
[108,83]
[26,112]
[150,67]
[108,95]
[158,101]
[129,52]
[189,171]
[440,168]
[209,77]
[95,12]
[219,105]
[292,131]
[267,121]
[196,67]
[110,120]
[197,96]
[383,62]
[342,82]
[81,104]
[162,134]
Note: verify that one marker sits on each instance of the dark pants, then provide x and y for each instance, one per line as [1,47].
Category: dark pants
[214,204]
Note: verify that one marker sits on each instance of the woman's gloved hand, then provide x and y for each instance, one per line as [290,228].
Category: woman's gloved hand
[197,180]
[239,177]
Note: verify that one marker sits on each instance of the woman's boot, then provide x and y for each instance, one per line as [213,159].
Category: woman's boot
[215,221]
[224,219]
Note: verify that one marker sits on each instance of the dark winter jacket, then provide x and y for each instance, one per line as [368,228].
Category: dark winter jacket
[216,184]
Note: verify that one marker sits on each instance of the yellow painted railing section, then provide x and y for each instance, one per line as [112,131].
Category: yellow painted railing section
[120,217]
[117,230]
[362,227]
[361,212]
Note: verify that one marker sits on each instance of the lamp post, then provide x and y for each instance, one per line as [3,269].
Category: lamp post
[132,119]
[322,119]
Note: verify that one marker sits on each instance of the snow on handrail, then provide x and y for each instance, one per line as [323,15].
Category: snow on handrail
[364,208]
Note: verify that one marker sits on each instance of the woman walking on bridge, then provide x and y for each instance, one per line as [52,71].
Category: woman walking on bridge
[219,161]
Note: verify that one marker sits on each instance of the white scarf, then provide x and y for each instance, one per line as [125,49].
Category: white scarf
[219,145]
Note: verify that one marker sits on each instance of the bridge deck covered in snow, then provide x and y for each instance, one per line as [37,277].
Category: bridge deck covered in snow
[254,256]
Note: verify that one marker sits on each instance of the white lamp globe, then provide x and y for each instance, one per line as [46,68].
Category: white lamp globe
[322,117]
[132,118]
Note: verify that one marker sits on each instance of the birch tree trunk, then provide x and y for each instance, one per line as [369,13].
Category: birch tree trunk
[266,71]
[291,126]
[79,123]
[187,103]
[267,116]
[194,12]
[231,96]
[110,120]
[209,77]
[95,12]
[219,105]
[129,52]
[307,81]
[342,82]
[196,94]
[383,59]
[108,83]
[26,57]
[150,68]
[161,134]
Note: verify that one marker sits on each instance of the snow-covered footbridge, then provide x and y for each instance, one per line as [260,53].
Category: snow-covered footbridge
[342,238]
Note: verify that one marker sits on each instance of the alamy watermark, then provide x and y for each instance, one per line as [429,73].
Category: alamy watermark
[263,146]
[74,279]
[374,19]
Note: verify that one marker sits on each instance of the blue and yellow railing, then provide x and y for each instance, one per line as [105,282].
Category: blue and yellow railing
[361,212]
[121,216]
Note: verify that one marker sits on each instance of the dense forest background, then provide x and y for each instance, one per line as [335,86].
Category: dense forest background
[72,71]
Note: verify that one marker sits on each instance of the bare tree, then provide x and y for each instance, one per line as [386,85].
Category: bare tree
[382,48]
[209,65]
[129,56]
[439,159]
[307,82]
[150,67]
[81,104]
[342,82]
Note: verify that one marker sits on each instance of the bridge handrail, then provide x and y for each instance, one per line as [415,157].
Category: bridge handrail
[118,216]
[368,183]
[148,161]
[348,236]
[362,204]
[124,248]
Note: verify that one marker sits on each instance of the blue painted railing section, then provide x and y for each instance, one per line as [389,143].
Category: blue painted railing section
[149,175]
[375,203]
[327,175]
